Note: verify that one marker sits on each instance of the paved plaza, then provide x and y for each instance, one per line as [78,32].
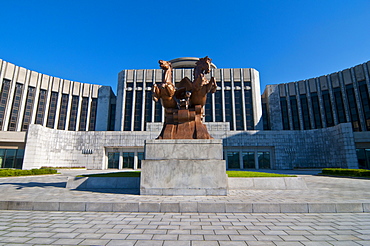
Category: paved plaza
[115,228]
[275,216]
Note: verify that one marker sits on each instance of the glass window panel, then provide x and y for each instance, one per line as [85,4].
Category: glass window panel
[284,113]
[248,160]
[93,108]
[84,111]
[233,160]
[128,159]
[4,99]
[113,160]
[264,160]
[15,107]
[140,157]
[10,155]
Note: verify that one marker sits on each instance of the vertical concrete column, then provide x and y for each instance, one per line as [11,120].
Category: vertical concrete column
[46,84]
[24,78]
[332,100]
[80,95]
[273,106]
[243,98]
[142,127]
[120,104]
[233,98]
[89,108]
[133,101]
[256,99]
[223,96]
[213,99]
[2,72]
[344,96]
[300,114]
[358,100]
[321,103]
[309,102]
[60,89]
[37,77]
[69,105]
[285,86]
[153,103]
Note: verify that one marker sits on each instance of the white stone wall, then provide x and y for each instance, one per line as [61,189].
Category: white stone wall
[329,147]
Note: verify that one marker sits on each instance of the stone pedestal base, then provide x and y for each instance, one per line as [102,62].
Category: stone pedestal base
[183,167]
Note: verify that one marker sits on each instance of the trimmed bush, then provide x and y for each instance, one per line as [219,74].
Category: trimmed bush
[18,172]
[346,172]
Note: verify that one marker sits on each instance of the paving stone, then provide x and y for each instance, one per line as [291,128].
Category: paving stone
[204,243]
[170,207]
[121,243]
[147,242]
[72,206]
[126,207]
[266,208]
[99,206]
[186,207]
[238,207]
[149,207]
[177,243]
[349,207]
[68,241]
[205,207]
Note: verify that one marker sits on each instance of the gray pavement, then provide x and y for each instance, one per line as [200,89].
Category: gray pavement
[275,217]
[324,194]
[190,229]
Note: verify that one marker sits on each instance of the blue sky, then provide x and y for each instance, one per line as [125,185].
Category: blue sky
[92,41]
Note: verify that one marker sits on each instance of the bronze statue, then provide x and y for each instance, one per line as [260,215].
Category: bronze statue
[184,112]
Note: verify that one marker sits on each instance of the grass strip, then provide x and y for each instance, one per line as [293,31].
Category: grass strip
[18,172]
[118,174]
[345,172]
[249,174]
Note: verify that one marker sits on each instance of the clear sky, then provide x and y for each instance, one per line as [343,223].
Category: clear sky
[92,41]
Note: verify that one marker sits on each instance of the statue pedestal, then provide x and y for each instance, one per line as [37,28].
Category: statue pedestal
[184,167]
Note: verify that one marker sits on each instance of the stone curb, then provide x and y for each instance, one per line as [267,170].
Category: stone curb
[191,207]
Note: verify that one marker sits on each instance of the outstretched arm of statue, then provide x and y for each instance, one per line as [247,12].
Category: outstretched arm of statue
[156,93]
[213,84]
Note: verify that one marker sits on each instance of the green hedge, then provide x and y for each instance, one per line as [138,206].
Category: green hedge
[18,172]
[346,172]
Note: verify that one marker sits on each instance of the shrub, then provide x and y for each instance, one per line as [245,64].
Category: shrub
[18,172]
[346,172]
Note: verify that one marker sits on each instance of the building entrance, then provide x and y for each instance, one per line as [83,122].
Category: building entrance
[248,158]
[122,158]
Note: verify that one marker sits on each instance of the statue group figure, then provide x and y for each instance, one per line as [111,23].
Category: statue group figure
[184,102]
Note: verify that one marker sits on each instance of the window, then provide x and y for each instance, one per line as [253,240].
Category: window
[4,100]
[233,161]
[218,106]
[28,109]
[140,157]
[228,109]
[316,110]
[112,117]
[73,114]
[63,112]
[94,107]
[327,108]
[138,112]
[128,110]
[364,94]
[113,160]
[41,107]
[128,159]
[248,160]
[305,112]
[353,108]
[84,111]
[238,109]
[11,158]
[249,108]
[208,108]
[15,107]
[52,109]
[264,160]
[295,116]
[148,107]
[284,113]
[339,105]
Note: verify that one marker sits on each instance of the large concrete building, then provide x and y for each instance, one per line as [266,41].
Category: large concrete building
[315,123]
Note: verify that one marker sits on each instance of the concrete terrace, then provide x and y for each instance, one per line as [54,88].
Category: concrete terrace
[324,194]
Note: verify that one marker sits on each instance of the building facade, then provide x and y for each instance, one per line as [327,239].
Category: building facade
[315,123]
